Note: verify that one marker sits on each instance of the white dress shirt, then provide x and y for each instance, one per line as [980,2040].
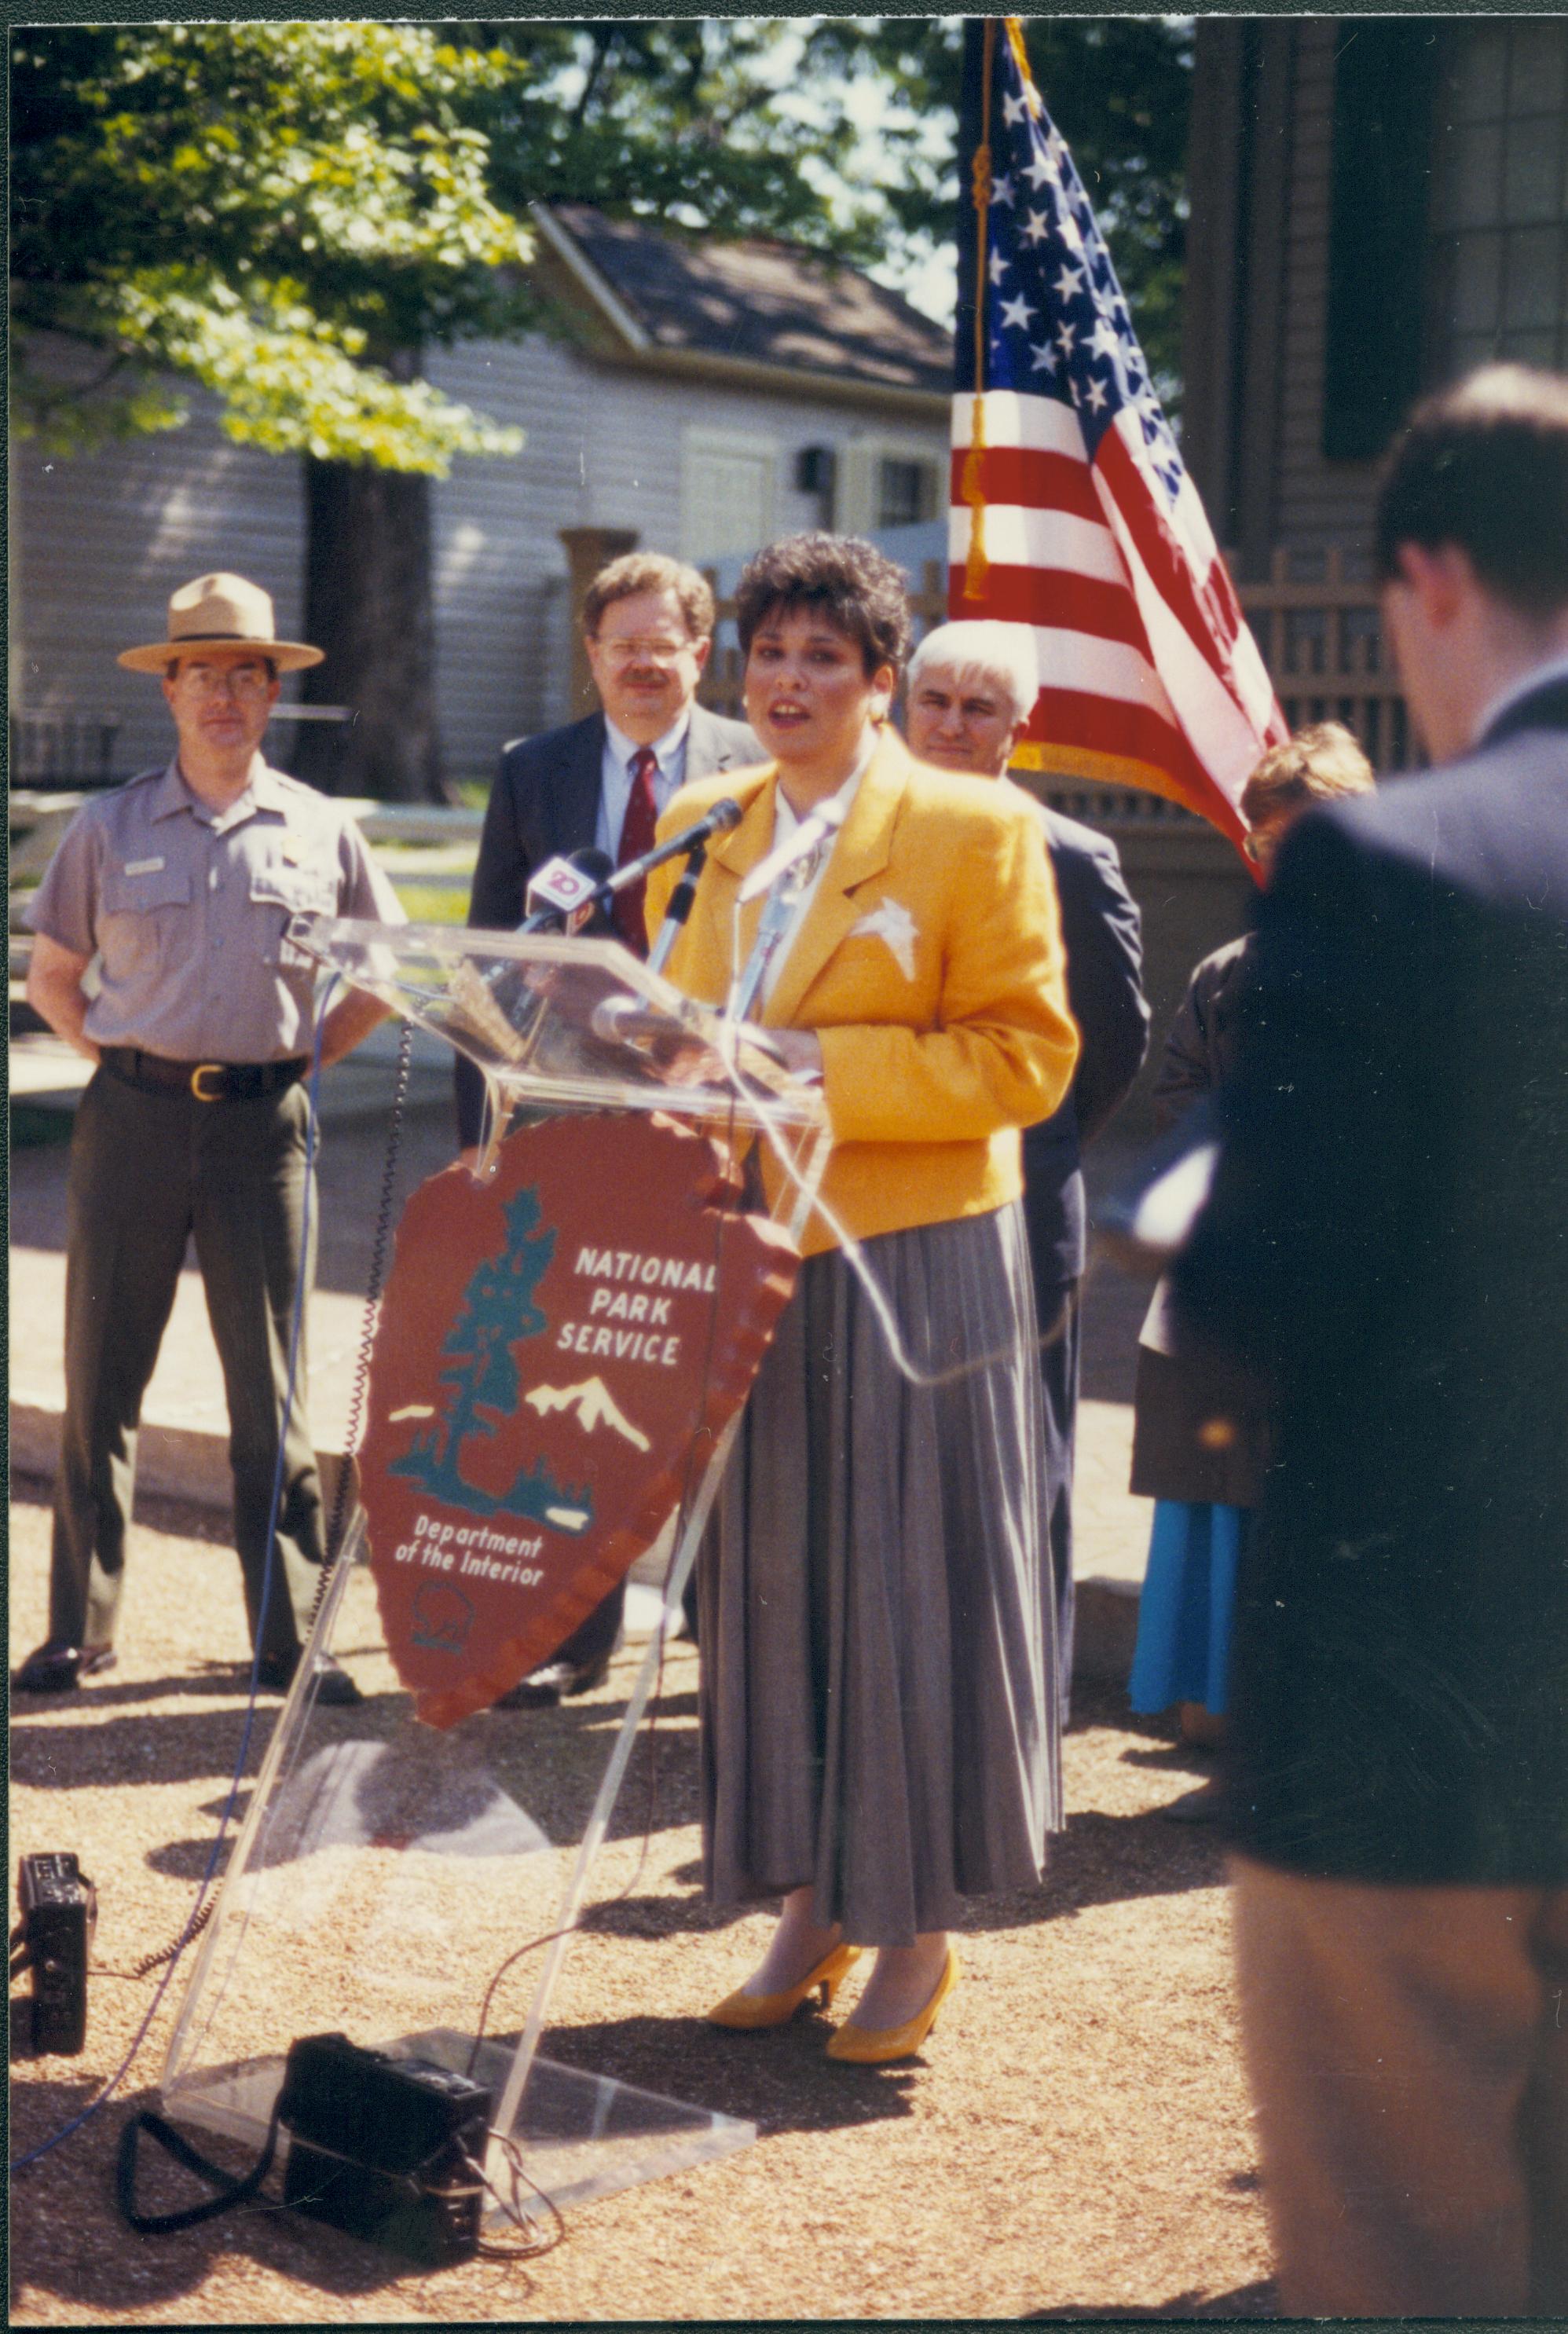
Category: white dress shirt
[615,776]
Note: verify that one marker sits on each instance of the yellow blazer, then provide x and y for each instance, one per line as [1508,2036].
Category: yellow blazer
[930,966]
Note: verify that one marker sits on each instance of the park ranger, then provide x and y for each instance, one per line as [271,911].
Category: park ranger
[177,888]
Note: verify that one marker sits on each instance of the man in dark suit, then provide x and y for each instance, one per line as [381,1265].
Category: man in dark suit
[1386,1246]
[971,689]
[647,626]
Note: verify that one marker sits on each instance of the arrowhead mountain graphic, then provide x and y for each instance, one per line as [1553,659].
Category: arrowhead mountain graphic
[594,1404]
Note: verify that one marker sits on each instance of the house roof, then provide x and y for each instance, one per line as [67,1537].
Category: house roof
[756,303]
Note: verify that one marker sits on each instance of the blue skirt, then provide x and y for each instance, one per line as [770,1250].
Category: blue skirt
[1184,1615]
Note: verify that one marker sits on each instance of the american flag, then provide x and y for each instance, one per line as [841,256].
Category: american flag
[1072,512]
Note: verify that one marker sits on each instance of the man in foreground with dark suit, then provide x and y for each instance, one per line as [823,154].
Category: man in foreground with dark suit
[1385,1246]
[971,689]
[647,625]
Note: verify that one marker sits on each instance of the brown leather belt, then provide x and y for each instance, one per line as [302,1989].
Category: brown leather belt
[207,1081]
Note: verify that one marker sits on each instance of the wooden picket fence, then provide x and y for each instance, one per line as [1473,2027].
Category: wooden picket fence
[1323,643]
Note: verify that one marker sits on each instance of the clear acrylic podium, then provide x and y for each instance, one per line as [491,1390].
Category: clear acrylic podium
[383,1871]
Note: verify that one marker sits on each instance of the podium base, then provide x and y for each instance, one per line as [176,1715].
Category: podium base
[580,2136]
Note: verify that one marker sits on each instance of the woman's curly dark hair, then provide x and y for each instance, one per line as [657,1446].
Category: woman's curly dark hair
[854,585]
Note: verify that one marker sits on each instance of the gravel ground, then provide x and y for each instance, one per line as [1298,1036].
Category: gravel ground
[1075,2140]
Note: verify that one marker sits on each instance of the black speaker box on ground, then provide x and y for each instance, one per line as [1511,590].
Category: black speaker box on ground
[384,2148]
[52,1941]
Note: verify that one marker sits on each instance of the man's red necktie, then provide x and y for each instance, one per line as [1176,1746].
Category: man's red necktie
[637,835]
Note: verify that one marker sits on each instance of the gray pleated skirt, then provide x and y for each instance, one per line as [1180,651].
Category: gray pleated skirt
[878,1699]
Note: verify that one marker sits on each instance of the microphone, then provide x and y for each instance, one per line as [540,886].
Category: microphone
[566,892]
[822,821]
[723,814]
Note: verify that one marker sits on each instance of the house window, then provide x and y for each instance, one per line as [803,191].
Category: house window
[905,492]
[727,482]
[885,482]
[1500,220]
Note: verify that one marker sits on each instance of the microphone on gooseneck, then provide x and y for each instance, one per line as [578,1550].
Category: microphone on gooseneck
[693,841]
[816,828]
[723,814]
[567,893]
[786,875]
[679,907]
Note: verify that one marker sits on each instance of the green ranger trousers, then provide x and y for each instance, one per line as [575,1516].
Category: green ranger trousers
[148,1170]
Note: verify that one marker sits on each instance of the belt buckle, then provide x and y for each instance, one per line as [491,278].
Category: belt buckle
[203,1070]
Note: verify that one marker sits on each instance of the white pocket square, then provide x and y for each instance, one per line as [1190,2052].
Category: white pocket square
[892,923]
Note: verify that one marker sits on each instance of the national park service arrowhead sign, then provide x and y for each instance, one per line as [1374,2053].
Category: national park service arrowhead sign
[558,1352]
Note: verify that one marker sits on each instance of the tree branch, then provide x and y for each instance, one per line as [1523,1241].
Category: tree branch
[603,40]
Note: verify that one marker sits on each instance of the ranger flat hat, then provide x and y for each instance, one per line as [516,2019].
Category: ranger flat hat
[220,612]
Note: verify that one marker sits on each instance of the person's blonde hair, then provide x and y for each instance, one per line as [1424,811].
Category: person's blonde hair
[1319,764]
[650,570]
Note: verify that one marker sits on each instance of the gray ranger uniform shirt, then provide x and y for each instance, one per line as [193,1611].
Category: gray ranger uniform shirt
[187,908]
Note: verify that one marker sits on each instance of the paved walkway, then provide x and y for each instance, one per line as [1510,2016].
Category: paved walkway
[185,1427]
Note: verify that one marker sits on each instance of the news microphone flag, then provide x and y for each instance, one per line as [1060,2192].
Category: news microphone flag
[1071,513]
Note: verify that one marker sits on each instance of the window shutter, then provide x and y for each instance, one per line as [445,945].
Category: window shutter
[1385,75]
[855,495]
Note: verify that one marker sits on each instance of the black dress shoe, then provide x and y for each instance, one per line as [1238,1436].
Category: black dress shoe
[334,1688]
[552,1682]
[55,1667]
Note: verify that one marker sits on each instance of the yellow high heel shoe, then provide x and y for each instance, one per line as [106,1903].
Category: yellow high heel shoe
[869,2046]
[747,2011]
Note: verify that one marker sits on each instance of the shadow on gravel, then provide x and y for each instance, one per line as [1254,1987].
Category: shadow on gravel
[780,2079]
[1106,1860]
[1103,1702]
[65,2227]
[1097,1860]
[214,1680]
[164,1747]
[188,1859]
[1257,2300]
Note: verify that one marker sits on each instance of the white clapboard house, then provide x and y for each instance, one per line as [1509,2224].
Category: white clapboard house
[700,398]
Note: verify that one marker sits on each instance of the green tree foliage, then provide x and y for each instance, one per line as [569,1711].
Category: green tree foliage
[728,127]
[274,211]
[288,214]
[1118,90]
[292,215]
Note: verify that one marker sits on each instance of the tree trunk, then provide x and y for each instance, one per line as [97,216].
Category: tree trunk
[368,604]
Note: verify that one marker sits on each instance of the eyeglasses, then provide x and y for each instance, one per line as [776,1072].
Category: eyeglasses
[616,651]
[244,681]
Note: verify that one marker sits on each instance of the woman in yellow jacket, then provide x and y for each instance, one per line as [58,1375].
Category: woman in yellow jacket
[878,1704]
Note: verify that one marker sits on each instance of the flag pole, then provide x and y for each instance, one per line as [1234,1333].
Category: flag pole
[1081,525]
[973,487]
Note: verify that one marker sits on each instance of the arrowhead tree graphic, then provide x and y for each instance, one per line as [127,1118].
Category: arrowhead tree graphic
[480,1372]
